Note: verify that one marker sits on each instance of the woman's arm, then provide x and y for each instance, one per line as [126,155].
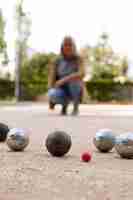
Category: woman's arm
[51,74]
[77,75]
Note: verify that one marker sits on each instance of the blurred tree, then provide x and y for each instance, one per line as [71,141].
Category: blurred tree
[34,75]
[3,45]
[23,24]
[103,61]
[124,65]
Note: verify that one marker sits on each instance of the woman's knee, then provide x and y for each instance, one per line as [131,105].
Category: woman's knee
[75,91]
[56,95]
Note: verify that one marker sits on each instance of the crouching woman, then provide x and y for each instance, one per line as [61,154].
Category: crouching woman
[65,78]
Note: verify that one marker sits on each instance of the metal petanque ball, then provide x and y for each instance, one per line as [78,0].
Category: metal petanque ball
[124,145]
[18,139]
[58,143]
[4,129]
[104,140]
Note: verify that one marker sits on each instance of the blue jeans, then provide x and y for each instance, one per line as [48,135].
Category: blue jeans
[70,92]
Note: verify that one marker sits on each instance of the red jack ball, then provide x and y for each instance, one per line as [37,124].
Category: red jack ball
[86,156]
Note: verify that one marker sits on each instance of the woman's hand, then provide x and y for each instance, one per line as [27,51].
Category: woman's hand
[69,78]
[59,83]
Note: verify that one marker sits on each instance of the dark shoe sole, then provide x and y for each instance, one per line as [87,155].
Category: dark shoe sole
[51,106]
[64,110]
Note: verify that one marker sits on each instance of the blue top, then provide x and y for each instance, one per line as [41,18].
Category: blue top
[65,67]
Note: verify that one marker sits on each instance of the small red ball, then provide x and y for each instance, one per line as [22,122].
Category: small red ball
[86,157]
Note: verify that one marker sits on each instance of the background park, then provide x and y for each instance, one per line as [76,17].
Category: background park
[24,69]
[30,37]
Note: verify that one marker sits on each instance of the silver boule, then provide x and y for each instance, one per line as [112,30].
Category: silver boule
[124,145]
[18,139]
[104,140]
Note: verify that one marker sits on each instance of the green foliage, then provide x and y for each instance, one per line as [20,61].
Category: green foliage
[2,26]
[34,76]
[3,44]
[98,90]
[107,71]
[103,62]
[104,71]
[108,90]
[6,89]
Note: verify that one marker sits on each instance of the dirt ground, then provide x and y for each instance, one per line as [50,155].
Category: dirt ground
[36,175]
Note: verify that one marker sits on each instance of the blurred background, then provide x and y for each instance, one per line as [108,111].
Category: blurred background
[31,35]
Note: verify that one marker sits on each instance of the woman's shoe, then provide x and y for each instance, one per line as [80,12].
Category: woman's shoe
[75,110]
[51,106]
[64,110]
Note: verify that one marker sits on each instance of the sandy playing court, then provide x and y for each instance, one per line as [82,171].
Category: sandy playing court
[35,175]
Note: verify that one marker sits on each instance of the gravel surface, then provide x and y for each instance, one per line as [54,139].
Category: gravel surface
[36,175]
